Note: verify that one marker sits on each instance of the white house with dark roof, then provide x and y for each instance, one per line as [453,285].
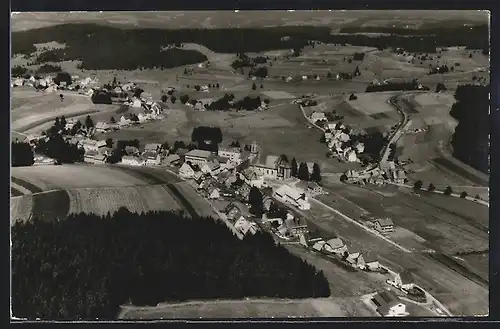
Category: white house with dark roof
[388,304]
[384,225]
[356,260]
[318,116]
[186,171]
[198,157]
[404,280]
[132,160]
[102,127]
[336,245]
[153,147]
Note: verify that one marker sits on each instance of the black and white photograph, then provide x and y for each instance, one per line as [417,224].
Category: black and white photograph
[239,164]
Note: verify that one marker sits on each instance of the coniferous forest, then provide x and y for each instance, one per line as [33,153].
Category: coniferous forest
[86,266]
[471,138]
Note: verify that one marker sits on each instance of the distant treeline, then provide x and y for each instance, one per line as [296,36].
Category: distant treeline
[104,47]
[471,138]
[86,266]
[395,86]
[472,37]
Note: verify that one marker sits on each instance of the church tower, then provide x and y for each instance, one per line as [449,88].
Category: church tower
[254,148]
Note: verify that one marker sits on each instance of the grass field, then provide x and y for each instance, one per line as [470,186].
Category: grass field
[138,199]
[45,107]
[251,308]
[42,178]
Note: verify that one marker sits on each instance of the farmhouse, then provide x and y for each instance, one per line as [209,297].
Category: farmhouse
[101,144]
[213,193]
[102,127]
[272,166]
[131,150]
[318,246]
[336,245]
[309,188]
[94,157]
[89,145]
[198,157]
[388,304]
[210,167]
[292,196]
[308,239]
[172,159]
[186,171]
[245,226]
[153,147]
[372,266]
[294,228]
[132,160]
[404,280]
[384,225]
[356,260]
[232,153]
[152,158]
[318,116]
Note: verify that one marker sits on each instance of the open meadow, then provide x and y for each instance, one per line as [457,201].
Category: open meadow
[250,308]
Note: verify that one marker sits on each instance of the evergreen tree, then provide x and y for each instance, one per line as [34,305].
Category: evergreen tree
[254,86]
[21,154]
[448,190]
[343,178]
[431,187]
[303,173]
[316,173]
[255,200]
[164,98]
[112,120]
[89,123]
[294,171]
[418,185]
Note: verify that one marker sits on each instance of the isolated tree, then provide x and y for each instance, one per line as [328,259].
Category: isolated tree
[61,96]
[261,86]
[266,101]
[463,195]
[477,197]
[440,86]
[448,190]
[343,178]
[255,200]
[63,122]
[316,173]
[109,142]
[345,255]
[134,117]
[164,98]
[112,120]
[303,173]
[352,97]
[89,123]
[294,171]
[418,185]
[173,99]
[184,99]
[431,187]
[197,87]
[329,75]
[356,71]
[218,86]
[254,86]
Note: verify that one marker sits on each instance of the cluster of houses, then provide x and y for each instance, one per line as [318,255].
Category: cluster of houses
[337,137]
[236,218]
[336,246]
[377,176]
[47,83]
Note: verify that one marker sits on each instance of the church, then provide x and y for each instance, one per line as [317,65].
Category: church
[270,166]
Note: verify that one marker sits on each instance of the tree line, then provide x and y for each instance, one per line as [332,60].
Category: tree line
[86,266]
[471,138]
[396,86]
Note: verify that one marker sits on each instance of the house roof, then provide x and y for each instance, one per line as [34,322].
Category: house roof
[230,149]
[182,151]
[385,222]
[199,154]
[101,125]
[222,159]
[186,165]
[172,158]
[288,190]
[101,143]
[149,155]
[152,147]
[386,297]
[212,165]
[91,153]
[319,245]
[406,277]
[335,243]
[131,149]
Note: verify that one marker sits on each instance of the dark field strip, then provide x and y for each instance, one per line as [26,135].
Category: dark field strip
[14,192]
[459,268]
[349,110]
[447,164]
[32,188]
[172,189]
[409,107]
[378,116]
[51,205]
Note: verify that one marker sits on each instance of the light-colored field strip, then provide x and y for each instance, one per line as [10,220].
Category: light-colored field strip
[20,208]
[139,199]
[20,188]
[277,94]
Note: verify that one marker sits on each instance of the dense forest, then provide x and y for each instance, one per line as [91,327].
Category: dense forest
[97,46]
[207,138]
[21,154]
[86,266]
[471,138]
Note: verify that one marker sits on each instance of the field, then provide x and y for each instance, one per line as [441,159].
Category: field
[251,308]
[138,199]
[44,107]
[73,176]
[50,205]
